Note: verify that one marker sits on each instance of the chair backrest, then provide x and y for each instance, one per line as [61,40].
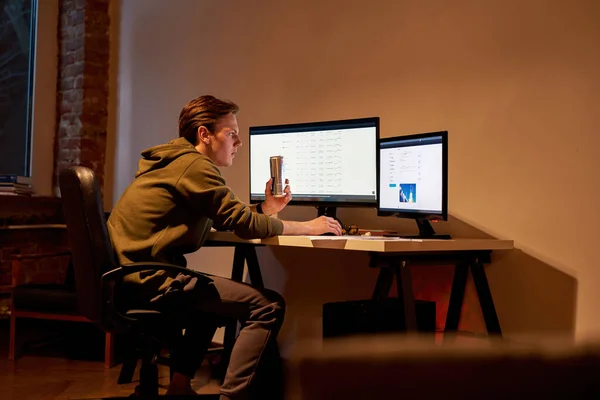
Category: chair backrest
[91,247]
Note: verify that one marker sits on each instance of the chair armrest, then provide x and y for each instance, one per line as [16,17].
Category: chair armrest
[110,280]
[128,269]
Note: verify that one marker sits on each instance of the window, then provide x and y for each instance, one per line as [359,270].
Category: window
[17,49]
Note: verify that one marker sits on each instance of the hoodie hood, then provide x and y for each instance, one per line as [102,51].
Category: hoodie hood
[160,156]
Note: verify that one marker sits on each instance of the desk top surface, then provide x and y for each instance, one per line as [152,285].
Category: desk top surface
[377,244]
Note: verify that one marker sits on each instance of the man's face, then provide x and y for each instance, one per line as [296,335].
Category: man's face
[225,141]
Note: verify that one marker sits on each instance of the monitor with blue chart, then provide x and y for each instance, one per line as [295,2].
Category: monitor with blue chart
[329,164]
[412,179]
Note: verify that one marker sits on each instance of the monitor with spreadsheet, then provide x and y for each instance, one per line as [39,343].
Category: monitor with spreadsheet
[329,164]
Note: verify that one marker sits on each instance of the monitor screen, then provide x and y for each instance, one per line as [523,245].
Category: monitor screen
[329,163]
[413,176]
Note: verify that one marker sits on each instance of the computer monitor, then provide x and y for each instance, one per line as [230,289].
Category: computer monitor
[412,179]
[329,164]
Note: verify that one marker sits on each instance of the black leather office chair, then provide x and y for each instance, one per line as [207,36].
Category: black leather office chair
[98,277]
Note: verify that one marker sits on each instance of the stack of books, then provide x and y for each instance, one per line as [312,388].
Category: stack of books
[15,185]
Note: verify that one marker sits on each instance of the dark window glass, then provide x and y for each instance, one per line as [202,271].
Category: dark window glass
[17,48]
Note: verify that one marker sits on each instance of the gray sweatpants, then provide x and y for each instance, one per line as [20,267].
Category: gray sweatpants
[254,369]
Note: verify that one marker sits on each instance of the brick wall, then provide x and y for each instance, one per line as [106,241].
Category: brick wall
[28,211]
[82,87]
[81,115]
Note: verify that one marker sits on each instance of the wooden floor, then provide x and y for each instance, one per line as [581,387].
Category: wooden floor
[44,374]
[38,377]
[47,374]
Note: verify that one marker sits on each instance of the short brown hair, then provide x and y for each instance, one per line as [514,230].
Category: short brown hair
[203,111]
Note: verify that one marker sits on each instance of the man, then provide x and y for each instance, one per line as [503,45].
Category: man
[178,194]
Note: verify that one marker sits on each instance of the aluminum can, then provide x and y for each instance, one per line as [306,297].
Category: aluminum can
[276,163]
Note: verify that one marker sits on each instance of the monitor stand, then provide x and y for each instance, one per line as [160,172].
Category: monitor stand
[328,211]
[426,231]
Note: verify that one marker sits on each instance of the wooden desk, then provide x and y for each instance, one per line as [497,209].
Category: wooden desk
[392,257]
[373,244]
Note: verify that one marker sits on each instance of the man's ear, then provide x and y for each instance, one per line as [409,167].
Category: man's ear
[203,135]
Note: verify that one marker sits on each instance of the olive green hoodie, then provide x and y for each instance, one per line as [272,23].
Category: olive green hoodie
[177,195]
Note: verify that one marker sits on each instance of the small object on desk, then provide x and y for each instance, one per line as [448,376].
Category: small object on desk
[434,237]
[377,232]
[358,238]
[328,237]
[365,237]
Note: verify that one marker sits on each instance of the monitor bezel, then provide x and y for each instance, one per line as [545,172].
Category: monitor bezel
[309,126]
[415,214]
